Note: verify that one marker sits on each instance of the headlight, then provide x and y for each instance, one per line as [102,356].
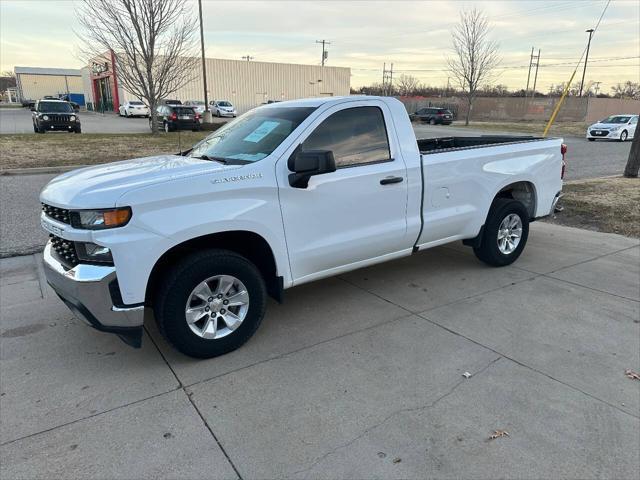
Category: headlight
[90,252]
[101,219]
[45,117]
[72,118]
[615,129]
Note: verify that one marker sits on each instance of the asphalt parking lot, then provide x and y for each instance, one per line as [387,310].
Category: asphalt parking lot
[20,229]
[359,376]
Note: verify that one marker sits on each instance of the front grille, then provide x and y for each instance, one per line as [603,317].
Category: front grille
[60,214]
[599,133]
[65,251]
[59,118]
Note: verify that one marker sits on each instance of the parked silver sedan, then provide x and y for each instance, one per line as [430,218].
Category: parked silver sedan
[615,127]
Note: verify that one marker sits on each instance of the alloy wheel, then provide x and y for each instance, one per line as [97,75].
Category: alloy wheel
[217,306]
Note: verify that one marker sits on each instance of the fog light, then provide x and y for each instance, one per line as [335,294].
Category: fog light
[90,252]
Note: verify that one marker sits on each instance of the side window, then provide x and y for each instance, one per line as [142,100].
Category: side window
[356,136]
[634,120]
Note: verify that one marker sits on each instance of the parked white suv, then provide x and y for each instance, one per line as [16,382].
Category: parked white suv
[222,108]
[133,108]
[289,193]
[615,127]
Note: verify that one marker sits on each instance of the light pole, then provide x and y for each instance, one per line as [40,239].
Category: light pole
[207,113]
[586,59]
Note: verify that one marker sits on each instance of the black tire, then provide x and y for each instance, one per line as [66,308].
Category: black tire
[126,114]
[488,250]
[171,297]
[623,136]
[41,130]
[78,130]
[432,121]
[591,139]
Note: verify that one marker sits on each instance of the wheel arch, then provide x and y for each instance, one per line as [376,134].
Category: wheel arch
[523,191]
[246,243]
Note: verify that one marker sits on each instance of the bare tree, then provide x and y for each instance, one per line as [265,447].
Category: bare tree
[626,90]
[153,43]
[633,162]
[407,85]
[475,55]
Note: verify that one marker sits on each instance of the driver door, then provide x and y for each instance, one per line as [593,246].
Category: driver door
[358,212]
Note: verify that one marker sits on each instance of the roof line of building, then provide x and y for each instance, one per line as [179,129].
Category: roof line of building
[70,72]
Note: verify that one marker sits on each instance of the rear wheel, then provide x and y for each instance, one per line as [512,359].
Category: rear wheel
[210,303]
[505,233]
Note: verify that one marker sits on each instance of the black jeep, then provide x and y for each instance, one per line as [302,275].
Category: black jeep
[51,115]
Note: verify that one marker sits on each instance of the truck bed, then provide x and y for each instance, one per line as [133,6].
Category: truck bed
[437,145]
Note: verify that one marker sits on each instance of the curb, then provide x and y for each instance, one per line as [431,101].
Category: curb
[40,170]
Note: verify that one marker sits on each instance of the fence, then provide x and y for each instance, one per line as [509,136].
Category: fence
[574,109]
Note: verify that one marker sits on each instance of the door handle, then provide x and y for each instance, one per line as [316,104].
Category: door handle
[389,180]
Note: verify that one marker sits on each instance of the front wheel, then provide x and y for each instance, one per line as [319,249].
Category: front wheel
[623,136]
[505,233]
[432,121]
[210,303]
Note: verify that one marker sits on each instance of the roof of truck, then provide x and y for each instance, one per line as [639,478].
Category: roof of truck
[317,101]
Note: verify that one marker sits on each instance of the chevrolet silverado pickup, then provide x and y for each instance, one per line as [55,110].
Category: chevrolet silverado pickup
[287,193]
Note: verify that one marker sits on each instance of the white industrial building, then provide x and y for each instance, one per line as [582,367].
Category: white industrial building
[245,84]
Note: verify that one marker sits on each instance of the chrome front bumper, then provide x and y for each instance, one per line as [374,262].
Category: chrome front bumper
[88,291]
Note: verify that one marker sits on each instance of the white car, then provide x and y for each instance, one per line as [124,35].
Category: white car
[615,127]
[222,108]
[197,105]
[133,108]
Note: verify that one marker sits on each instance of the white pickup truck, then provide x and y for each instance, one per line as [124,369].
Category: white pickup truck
[288,193]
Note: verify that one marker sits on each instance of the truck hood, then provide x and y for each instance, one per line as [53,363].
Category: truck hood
[100,186]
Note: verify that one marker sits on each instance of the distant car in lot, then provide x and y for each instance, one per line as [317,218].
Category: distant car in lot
[177,117]
[433,116]
[51,115]
[222,108]
[133,108]
[615,127]
[198,105]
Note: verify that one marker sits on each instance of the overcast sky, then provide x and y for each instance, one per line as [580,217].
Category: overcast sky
[415,36]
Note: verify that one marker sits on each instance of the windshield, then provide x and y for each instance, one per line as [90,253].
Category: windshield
[252,136]
[224,104]
[616,119]
[54,107]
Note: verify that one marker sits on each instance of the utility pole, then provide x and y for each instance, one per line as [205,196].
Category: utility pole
[586,59]
[597,87]
[325,54]
[535,78]
[204,66]
[248,58]
[534,61]
[387,80]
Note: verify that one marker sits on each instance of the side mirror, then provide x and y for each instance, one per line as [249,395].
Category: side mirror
[304,165]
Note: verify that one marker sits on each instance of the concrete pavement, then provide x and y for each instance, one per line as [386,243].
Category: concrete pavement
[353,377]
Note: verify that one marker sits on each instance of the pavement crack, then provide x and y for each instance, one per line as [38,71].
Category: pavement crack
[395,414]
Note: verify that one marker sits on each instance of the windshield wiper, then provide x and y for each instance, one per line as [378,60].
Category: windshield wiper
[222,160]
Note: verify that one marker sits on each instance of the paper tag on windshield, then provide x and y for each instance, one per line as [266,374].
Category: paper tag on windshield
[262,131]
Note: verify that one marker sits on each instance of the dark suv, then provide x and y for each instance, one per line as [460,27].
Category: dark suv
[177,117]
[433,115]
[51,115]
